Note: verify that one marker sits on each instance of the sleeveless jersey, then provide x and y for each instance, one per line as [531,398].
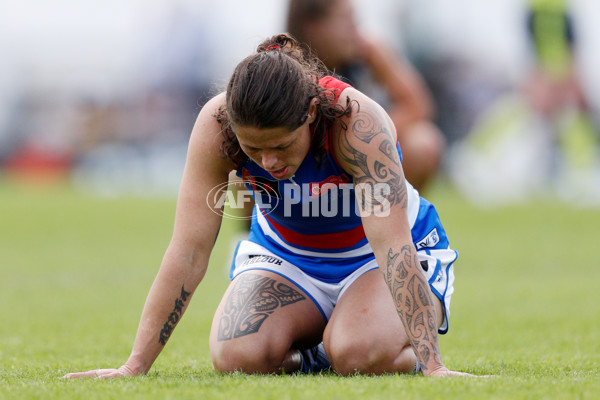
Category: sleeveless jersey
[312,219]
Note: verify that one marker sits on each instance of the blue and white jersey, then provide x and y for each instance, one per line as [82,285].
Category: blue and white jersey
[313,219]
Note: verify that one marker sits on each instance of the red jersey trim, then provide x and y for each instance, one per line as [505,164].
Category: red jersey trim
[337,240]
[336,87]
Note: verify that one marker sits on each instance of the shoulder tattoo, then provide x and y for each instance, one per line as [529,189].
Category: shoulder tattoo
[368,148]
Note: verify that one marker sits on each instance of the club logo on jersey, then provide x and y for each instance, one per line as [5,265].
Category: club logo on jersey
[430,240]
[317,189]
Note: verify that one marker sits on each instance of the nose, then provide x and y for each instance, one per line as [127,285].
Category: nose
[269,160]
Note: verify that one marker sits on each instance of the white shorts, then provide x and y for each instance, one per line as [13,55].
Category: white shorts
[437,264]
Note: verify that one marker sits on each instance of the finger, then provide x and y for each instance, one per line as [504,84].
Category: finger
[448,373]
[466,374]
[87,374]
[112,374]
[95,373]
[454,373]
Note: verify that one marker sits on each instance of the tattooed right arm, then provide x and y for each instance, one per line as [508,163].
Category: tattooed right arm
[195,231]
[186,258]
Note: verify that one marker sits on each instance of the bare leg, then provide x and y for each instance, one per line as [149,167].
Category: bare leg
[365,333]
[261,322]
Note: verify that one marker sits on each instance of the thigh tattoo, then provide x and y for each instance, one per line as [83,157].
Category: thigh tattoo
[251,300]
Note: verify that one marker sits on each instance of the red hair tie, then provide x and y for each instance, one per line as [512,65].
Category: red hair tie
[272,47]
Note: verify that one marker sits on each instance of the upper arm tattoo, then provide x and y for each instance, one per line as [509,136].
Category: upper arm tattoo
[376,168]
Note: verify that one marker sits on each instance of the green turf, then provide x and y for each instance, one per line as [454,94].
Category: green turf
[75,270]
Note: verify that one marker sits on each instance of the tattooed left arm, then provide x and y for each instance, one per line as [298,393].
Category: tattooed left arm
[367,151]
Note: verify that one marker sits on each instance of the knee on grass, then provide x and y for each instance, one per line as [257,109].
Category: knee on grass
[231,357]
[364,356]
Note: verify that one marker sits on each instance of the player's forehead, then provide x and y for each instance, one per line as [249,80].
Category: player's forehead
[264,137]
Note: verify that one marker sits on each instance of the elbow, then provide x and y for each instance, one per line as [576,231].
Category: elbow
[193,261]
[422,110]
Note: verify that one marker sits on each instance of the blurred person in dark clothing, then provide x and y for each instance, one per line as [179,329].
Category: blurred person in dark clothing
[329,28]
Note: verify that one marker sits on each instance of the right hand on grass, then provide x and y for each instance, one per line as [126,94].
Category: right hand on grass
[103,373]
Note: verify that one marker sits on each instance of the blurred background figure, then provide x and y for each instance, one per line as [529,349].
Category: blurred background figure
[541,136]
[554,88]
[104,96]
[143,142]
[330,29]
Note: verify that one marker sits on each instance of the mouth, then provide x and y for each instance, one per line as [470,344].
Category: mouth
[279,173]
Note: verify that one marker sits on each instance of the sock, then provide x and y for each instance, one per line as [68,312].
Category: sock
[314,360]
[417,367]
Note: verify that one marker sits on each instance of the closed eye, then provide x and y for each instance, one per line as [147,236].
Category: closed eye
[278,148]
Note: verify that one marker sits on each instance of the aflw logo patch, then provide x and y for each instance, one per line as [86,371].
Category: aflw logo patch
[430,240]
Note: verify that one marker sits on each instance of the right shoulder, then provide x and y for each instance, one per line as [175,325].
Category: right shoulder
[207,120]
[207,139]
[216,102]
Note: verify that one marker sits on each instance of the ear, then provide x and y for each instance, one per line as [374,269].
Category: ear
[312,110]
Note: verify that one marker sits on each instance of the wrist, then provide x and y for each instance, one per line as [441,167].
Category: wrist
[134,367]
[434,370]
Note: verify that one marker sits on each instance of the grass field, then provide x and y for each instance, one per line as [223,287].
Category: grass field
[75,270]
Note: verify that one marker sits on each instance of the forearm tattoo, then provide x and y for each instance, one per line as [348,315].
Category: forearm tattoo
[414,303]
[403,274]
[251,300]
[174,317]
[376,168]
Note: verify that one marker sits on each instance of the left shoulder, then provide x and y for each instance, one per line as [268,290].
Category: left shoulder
[366,129]
[365,147]
[367,110]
